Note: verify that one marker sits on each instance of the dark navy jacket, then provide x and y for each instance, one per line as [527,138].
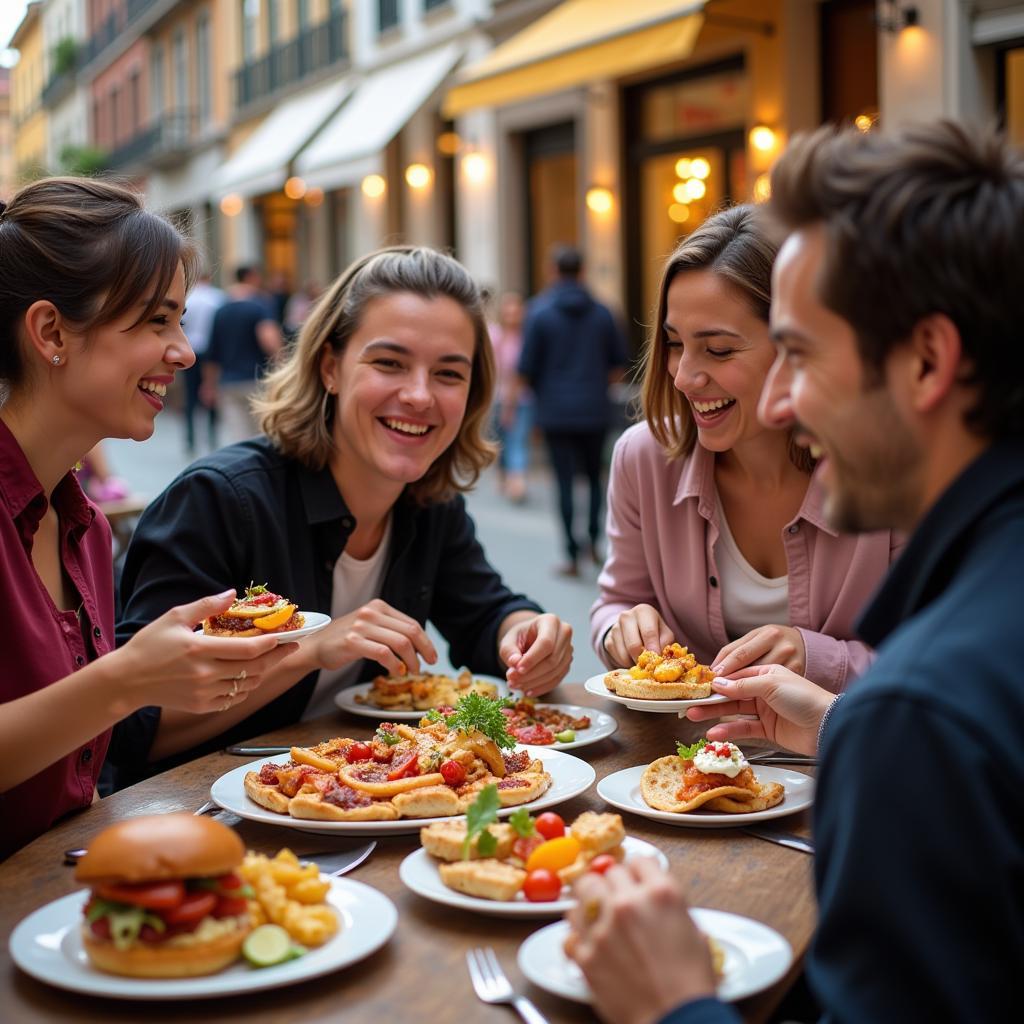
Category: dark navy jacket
[920,804]
[571,343]
[249,513]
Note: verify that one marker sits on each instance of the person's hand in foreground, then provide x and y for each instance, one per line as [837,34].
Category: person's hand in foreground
[633,938]
[634,631]
[787,708]
[537,650]
[766,645]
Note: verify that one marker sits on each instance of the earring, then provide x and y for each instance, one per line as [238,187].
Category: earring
[55,360]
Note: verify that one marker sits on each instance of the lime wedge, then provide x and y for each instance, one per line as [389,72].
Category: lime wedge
[267,945]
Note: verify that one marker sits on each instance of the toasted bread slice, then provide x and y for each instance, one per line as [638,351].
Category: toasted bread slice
[443,840]
[663,786]
[429,802]
[692,686]
[579,866]
[311,806]
[769,794]
[598,833]
[488,879]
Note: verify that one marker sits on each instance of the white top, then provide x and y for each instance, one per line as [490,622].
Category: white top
[356,582]
[749,599]
[202,304]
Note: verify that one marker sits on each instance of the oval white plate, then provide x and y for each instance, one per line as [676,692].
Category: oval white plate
[569,777]
[595,685]
[602,725]
[314,621]
[622,790]
[419,872]
[346,700]
[756,956]
[48,945]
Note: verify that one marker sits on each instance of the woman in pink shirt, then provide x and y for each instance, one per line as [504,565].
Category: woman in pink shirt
[716,530]
[92,290]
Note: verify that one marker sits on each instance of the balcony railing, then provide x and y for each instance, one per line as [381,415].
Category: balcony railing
[111,27]
[58,88]
[165,142]
[318,47]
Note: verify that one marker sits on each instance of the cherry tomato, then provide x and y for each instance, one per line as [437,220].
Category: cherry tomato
[147,933]
[358,752]
[542,886]
[454,772]
[405,767]
[601,863]
[194,907]
[554,854]
[151,895]
[229,881]
[230,907]
[549,825]
[525,845]
[101,928]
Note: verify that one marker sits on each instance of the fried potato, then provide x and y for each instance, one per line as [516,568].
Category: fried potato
[301,755]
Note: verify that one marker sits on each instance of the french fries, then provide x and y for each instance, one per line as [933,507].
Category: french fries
[300,755]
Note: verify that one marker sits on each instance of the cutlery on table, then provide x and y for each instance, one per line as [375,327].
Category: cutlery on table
[491,985]
[807,762]
[788,839]
[256,751]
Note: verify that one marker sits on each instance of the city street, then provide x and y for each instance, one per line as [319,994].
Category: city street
[522,541]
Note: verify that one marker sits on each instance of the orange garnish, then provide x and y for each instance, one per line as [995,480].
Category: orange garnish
[275,619]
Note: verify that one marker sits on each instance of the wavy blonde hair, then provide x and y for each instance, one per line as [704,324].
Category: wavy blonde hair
[291,406]
[735,245]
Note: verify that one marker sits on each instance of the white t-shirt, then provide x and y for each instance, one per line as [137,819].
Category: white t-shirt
[355,583]
[749,599]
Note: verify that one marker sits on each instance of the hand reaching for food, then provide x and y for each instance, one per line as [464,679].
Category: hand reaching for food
[537,650]
[766,645]
[640,629]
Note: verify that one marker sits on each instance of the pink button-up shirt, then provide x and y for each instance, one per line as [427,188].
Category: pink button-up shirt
[663,523]
[42,643]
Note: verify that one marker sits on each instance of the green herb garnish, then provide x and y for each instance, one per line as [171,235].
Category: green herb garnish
[255,589]
[522,821]
[483,811]
[387,736]
[687,752]
[475,712]
[433,715]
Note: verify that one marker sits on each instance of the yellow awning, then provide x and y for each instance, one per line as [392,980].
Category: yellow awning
[579,41]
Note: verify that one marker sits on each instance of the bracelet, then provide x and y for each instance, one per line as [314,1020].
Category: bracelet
[825,717]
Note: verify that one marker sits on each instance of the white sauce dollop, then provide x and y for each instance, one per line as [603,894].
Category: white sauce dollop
[705,760]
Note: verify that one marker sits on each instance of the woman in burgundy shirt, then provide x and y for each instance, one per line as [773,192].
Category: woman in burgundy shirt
[92,290]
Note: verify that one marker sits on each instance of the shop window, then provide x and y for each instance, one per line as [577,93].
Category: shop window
[552,199]
[849,61]
[387,14]
[1012,93]
[694,106]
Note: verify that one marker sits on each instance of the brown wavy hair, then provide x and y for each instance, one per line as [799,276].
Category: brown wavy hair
[291,406]
[92,249]
[734,245]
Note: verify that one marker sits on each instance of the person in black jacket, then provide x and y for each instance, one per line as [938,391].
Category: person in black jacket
[572,349]
[349,504]
[896,309]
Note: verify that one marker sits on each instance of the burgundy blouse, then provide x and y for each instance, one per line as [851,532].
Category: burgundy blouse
[42,644]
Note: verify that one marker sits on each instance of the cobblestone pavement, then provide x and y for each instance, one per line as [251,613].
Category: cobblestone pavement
[521,541]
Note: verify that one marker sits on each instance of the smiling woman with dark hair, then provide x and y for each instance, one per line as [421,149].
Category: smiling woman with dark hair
[351,504]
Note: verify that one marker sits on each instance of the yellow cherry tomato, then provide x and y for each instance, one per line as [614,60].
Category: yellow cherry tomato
[555,854]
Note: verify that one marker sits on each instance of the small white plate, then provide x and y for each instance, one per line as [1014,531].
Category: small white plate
[419,872]
[756,957]
[346,700]
[48,945]
[602,725]
[569,777]
[622,790]
[315,621]
[595,685]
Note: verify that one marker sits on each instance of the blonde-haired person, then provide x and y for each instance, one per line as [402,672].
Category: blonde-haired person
[351,504]
[716,530]
[92,290]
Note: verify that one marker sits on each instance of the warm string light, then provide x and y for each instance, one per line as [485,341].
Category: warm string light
[231,205]
[373,186]
[763,138]
[294,188]
[476,167]
[417,176]
[600,199]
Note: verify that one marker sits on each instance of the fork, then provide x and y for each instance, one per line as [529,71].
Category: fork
[491,985]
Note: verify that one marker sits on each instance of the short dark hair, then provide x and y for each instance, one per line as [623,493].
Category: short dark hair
[92,249]
[568,261]
[925,221]
[242,272]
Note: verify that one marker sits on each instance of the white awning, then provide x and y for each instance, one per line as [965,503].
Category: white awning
[260,164]
[381,106]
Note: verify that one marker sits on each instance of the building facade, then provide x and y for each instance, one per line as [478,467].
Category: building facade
[28,115]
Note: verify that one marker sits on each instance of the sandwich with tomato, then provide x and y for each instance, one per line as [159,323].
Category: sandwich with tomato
[259,612]
[165,900]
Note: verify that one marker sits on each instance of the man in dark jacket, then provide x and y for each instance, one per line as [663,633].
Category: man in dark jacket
[572,350]
[896,307]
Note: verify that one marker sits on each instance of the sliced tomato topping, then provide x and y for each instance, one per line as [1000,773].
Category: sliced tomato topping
[404,767]
[194,907]
[101,928]
[229,881]
[151,895]
[228,907]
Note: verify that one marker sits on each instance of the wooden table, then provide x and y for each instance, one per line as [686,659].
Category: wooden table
[421,974]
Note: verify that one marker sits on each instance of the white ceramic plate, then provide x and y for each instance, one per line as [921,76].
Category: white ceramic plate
[315,621]
[569,777]
[602,725]
[346,700]
[756,956]
[595,685]
[48,945]
[419,872]
[622,790]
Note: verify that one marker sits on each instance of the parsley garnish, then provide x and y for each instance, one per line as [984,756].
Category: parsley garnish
[522,821]
[482,812]
[387,736]
[433,715]
[475,712]
[687,752]
[255,589]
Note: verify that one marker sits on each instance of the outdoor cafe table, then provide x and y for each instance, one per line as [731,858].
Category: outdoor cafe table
[420,975]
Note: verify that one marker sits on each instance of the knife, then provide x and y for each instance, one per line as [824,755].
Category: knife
[807,762]
[794,842]
[257,751]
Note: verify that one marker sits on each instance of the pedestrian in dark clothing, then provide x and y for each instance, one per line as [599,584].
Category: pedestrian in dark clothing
[572,350]
[203,302]
[896,308]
